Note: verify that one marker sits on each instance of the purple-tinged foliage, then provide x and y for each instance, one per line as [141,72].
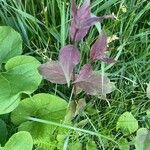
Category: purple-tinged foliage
[93,83]
[82,20]
[69,57]
[53,72]
[99,48]
[79,17]
[85,72]
[61,72]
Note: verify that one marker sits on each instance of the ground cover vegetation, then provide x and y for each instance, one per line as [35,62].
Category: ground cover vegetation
[74,75]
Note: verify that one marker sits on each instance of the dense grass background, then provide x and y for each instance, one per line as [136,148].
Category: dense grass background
[44,26]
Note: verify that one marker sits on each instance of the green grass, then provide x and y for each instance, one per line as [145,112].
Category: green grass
[44,29]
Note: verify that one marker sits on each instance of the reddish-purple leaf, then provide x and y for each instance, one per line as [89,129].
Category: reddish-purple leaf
[84,11]
[69,57]
[77,34]
[79,17]
[82,20]
[92,82]
[99,49]
[89,22]
[52,71]
[74,8]
[85,73]
[92,20]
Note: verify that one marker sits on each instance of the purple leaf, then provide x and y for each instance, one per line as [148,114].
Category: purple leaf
[85,73]
[82,20]
[74,8]
[69,57]
[79,16]
[84,11]
[92,82]
[53,72]
[89,22]
[99,49]
[77,34]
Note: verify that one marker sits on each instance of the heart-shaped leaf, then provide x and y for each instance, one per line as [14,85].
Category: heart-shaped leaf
[10,43]
[21,76]
[43,106]
[19,141]
[127,123]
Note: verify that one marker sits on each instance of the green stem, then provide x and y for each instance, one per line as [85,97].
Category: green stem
[72,128]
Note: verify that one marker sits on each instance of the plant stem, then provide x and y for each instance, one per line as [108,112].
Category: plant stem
[74,72]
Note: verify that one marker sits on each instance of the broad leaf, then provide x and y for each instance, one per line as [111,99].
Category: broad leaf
[82,20]
[127,123]
[93,83]
[99,49]
[79,16]
[19,141]
[69,57]
[52,71]
[10,43]
[85,73]
[142,140]
[21,76]
[43,106]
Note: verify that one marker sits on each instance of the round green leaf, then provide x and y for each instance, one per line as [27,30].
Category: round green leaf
[10,43]
[127,123]
[19,141]
[21,76]
[43,106]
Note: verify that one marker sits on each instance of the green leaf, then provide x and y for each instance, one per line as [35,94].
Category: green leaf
[19,141]
[21,76]
[91,146]
[75,146]
[43,106]
[142,140]
[127,123]
[3,132]
[10,43]
[124,144]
